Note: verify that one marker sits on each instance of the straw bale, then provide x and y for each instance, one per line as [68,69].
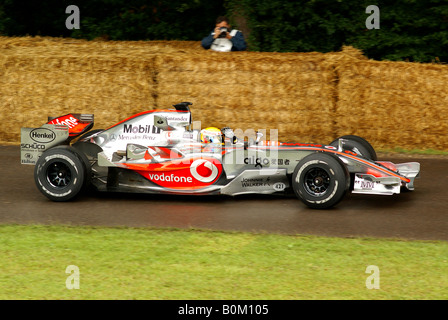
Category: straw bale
[251,90]
[32,88]
[308,97]
[394,104]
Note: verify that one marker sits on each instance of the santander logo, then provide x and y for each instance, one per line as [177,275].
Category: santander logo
[204,170]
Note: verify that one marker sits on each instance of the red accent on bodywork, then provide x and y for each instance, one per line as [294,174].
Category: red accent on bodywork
[388,165]
[147,155]
[271,143]
[298,144]
[380,170]
[177,174]
[75,126]
[167,153]
[375,173]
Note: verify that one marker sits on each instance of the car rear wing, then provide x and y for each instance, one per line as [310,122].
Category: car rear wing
[58,130]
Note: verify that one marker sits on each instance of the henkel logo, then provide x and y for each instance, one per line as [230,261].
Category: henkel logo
[42,135]
[204,170]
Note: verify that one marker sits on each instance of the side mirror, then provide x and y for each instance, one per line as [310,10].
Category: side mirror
[341,143]
[259,136]
[162,123]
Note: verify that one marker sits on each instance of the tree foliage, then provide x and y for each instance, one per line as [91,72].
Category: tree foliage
[113,19]
[413,30]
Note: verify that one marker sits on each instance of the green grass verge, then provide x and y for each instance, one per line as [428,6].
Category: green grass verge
[139,263]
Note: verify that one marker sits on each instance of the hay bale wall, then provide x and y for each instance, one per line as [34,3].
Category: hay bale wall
[33,88]
[41,77]
[394,103]
[252,91]
[308,97]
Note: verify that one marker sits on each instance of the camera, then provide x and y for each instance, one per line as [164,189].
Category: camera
[223,33]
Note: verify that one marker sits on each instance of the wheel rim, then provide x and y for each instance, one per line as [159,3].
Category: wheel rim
[317,181]
[59,175]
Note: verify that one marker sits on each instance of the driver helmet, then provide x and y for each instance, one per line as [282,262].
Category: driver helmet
[211,135]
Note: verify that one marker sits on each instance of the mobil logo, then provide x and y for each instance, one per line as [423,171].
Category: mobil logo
[204,170]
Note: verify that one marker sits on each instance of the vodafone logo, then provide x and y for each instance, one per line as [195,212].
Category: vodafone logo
[68,120]
[204,170]
[200,172]
[169,178]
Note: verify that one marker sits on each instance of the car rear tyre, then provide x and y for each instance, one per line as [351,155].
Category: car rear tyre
[320,180]
[358,145]
[60,173]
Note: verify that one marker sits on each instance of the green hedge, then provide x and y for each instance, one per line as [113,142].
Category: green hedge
[112,19]
[412,30]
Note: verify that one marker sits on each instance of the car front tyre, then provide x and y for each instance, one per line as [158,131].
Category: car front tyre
[320,180]
[60,173]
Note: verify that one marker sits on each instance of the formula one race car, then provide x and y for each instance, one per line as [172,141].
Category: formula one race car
[160,151]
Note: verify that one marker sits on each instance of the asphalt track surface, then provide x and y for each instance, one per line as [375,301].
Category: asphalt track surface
[421,214]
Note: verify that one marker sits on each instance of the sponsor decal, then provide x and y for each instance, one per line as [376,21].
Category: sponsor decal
[68,120]
[179,175]
[255,182]
[260,162]
[135,137]
[75,127]
[42,135]
[33,146]
[279,186]
[367,185]
[129,128]
[280,162]
[204,170]
[178,118]
[27,161]
[169,178]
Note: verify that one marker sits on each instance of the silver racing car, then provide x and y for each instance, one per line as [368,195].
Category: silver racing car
[161,151]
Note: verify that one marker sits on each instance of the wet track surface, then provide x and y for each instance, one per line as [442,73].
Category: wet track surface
[422,214]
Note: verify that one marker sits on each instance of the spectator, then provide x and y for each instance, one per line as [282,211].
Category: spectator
[223,38]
